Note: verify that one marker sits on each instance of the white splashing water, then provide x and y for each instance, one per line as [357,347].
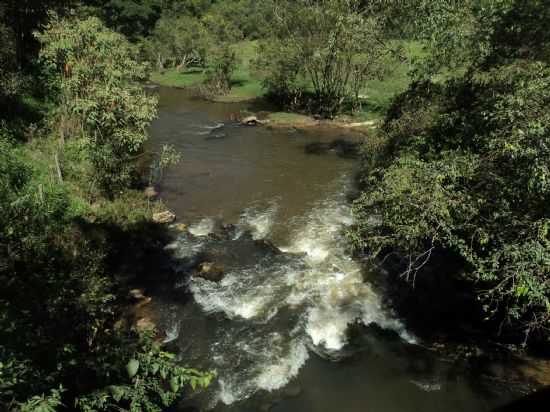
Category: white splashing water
[276,376]
[207,129]
[428,386]
[258,220]
[202,228]
[172,332]
[324,291]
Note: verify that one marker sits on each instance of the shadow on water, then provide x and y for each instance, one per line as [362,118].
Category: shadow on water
[343,148]
[535,402]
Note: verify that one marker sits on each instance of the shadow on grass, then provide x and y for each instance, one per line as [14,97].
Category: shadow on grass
[20,112]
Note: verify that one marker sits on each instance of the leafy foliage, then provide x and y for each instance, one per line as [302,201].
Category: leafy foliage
[60,296]
[468,173]
[178,42]
[97,73]
[330,47]
[153,383]
[222,62]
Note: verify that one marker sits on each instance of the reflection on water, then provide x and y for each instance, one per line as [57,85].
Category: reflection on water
[299,330]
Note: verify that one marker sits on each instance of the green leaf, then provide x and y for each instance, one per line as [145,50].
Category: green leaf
[117,392]
[132,368]
[174,384]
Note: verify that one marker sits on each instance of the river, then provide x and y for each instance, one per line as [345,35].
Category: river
[305,329]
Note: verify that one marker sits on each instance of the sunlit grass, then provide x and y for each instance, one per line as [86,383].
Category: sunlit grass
[247,85]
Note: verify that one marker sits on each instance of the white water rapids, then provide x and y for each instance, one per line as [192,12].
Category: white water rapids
[280,309]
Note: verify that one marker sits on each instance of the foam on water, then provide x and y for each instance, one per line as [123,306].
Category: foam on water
[203,228]
[427,386]
[259,220]
[230,297]
[281,305]
[172,332]
[277,375]
[328,328]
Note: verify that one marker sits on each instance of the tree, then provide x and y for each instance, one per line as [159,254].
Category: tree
[133,18]
[221,63]
[55,298]
[467,175]
[328,47]
[178,42]
[25,16]
[58,340]
[9,79]
[97,75]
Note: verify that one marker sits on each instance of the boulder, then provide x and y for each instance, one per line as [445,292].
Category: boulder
[137,294]
[182,227]
[210,271]
[138,297]
[250,121]
[164,217]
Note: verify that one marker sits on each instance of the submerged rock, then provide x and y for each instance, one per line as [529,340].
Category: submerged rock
[164,217]
[239,253]
[210,271]
[292,391]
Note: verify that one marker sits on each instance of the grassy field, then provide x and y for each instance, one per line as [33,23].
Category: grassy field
[247,86]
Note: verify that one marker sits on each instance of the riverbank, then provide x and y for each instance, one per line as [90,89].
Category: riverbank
[247,87]
[246,84]
[300,121]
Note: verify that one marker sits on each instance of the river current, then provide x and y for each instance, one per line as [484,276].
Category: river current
[304,329]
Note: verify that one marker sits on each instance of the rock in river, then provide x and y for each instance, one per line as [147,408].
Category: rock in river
[252,121]
[164,217]
[210,271]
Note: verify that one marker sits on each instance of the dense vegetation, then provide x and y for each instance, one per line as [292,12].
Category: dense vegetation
[321,53]
[460,168]
[316,57]
[463,169]
[74,123]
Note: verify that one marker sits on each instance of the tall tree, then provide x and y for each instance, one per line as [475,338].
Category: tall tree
[97,73]
[330,47]
[23,17]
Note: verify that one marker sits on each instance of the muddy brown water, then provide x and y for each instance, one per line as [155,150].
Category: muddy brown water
[301,331]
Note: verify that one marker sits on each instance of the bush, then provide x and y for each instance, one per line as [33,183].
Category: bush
[97,74]
[466,171]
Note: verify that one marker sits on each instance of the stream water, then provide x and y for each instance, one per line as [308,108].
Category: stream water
[302,329]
